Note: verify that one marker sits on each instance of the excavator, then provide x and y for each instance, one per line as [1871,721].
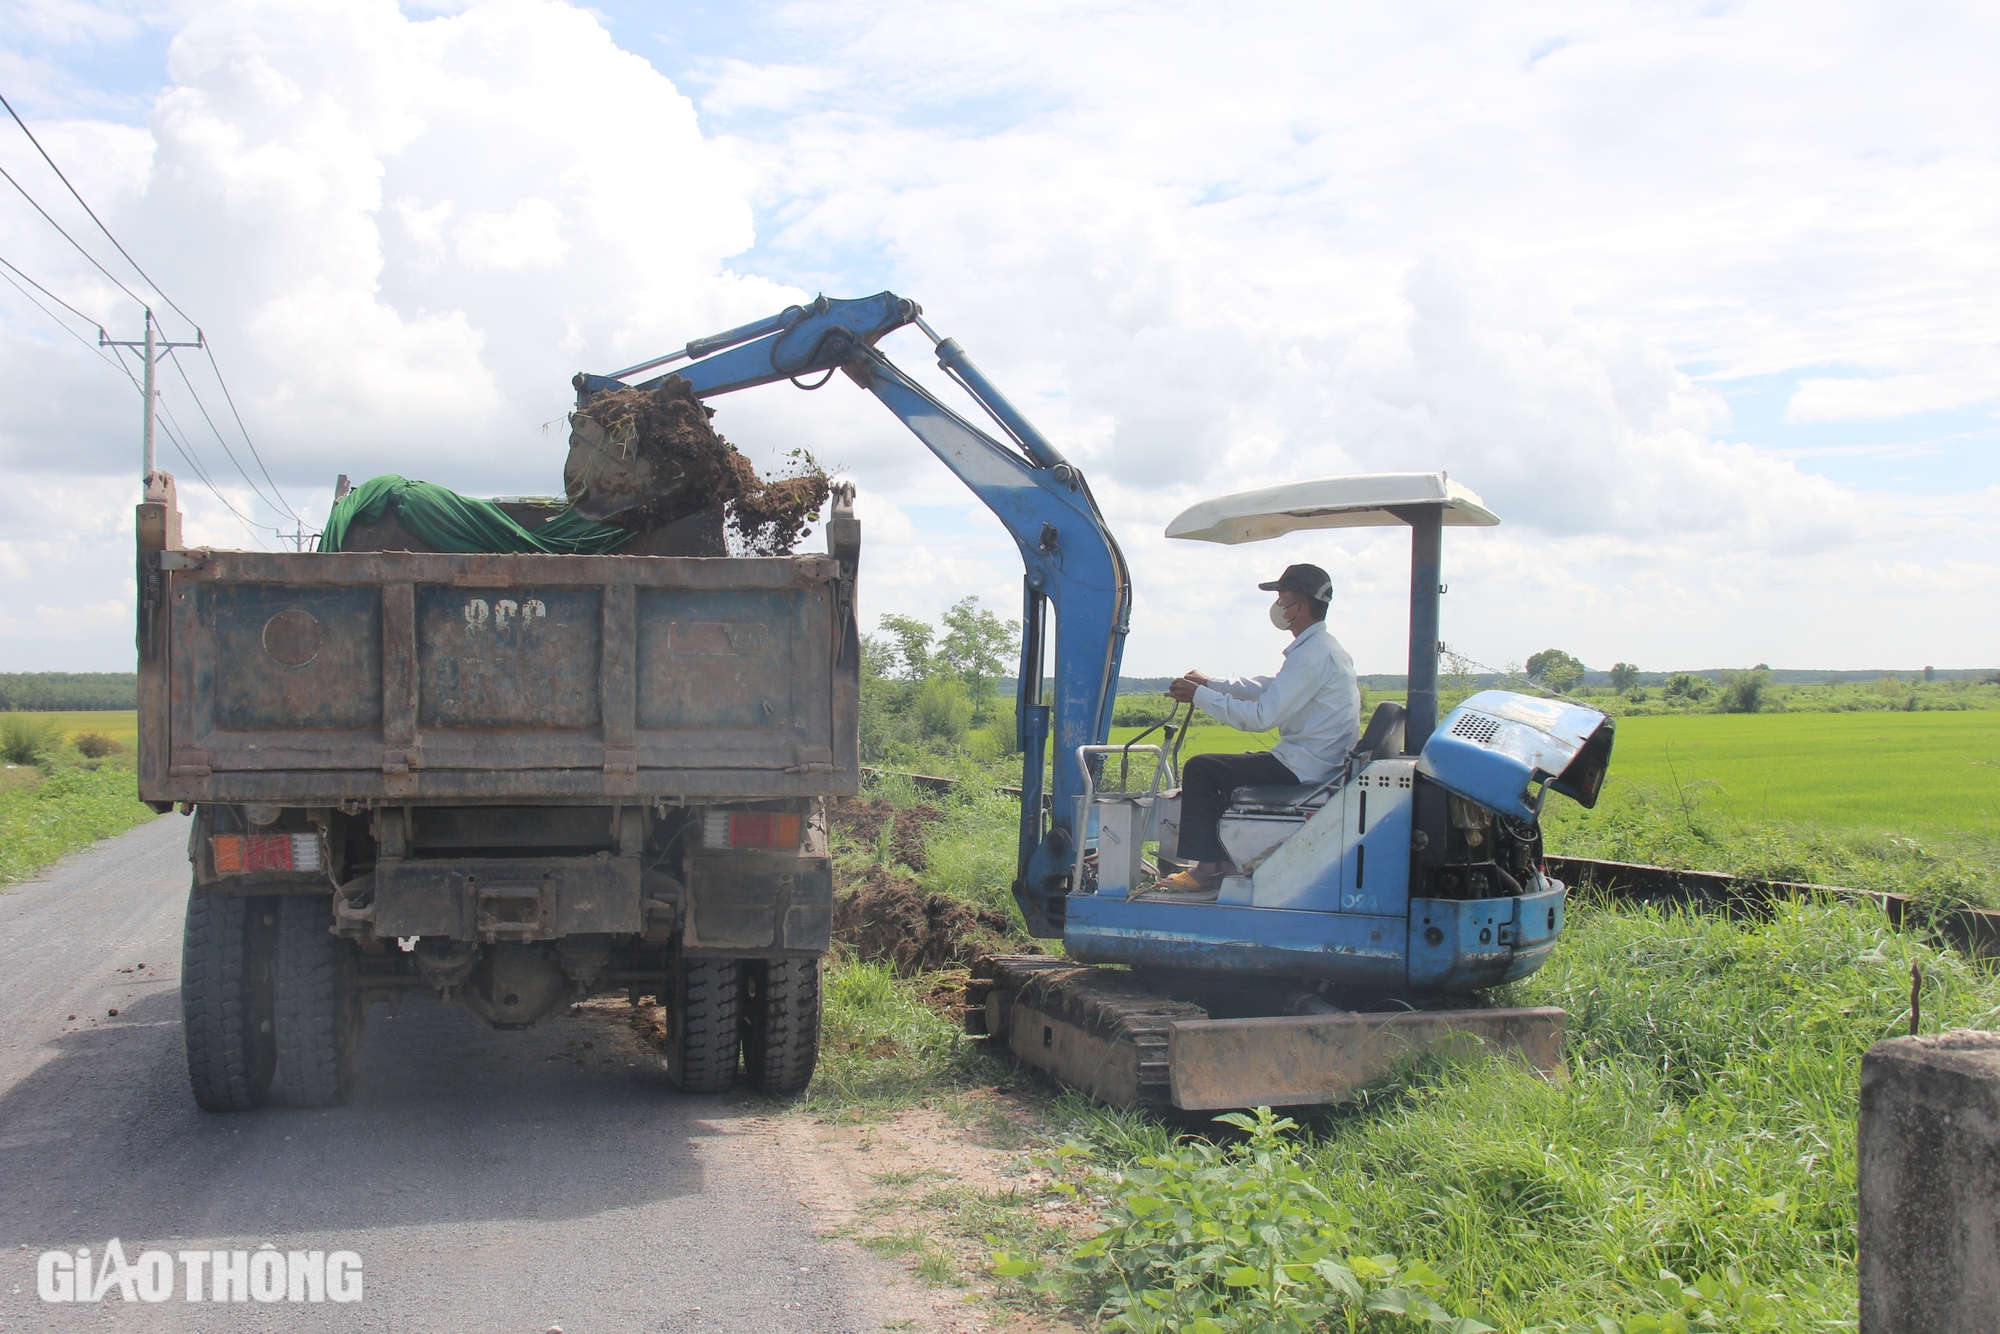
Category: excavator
[1368,912]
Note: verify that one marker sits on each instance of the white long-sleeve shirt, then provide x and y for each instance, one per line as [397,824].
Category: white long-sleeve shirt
[1312,701]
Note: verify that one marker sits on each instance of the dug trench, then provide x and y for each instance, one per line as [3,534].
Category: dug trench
[882,914]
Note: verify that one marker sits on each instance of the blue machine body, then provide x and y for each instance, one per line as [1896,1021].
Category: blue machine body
[1496,746]
[1438,888]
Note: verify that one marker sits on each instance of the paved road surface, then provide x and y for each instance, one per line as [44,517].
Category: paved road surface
[488,1180]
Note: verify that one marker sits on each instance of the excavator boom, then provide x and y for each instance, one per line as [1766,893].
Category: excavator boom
[1071,562]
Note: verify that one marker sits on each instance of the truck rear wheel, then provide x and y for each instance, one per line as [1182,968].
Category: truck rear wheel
[781,1023]
[319,1013]
[227,949]
[707,1000]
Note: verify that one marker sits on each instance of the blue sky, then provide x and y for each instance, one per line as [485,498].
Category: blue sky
[1702,300]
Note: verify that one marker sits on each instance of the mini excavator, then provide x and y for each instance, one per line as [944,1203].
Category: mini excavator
[1370,910]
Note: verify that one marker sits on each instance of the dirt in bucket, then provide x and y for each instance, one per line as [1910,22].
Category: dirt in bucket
[645,458]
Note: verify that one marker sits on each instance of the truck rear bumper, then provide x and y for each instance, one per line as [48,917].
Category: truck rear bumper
[509,899]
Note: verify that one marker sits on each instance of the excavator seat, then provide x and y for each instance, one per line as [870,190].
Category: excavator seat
[1383,738]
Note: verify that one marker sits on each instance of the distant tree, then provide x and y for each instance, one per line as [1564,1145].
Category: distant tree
[1624,676]
[1555,669]
[976,647]
[912,646]
[1743,692]
[1930,673]
[1687,686]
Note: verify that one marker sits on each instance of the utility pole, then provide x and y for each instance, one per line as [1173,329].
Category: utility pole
[154,348]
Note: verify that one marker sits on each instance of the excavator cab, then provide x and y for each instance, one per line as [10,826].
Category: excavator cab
[1416,869]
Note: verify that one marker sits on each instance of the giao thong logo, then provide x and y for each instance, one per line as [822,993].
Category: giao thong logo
[266,1274]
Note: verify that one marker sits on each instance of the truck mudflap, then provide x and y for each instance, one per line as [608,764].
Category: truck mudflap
[758,905]
[1103,1033]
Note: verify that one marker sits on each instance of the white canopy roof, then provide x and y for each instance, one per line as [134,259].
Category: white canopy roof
[1330,502]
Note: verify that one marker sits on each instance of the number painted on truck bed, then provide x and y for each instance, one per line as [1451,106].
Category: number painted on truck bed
[501,612]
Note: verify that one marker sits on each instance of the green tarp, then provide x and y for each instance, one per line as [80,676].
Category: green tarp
[451,522]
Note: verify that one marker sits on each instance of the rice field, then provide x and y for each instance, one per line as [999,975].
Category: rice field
[121,725]
[1898,773]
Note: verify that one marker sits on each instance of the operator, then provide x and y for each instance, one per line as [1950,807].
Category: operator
[1312,701]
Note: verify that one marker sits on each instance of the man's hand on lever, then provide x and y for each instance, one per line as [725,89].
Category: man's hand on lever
[1182,690]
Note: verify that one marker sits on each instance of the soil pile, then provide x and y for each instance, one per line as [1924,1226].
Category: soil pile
[645,458]
[884,916]
[862,820]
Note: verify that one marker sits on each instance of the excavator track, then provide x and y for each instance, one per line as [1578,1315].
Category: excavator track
[1103,1032]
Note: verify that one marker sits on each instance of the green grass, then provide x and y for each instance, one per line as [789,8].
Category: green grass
[882,1046]
[1901,773]
[1706,1124]
[71,809]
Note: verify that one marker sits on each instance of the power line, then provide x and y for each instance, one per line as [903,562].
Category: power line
[193,460]
[58,322]
[279,504]
[87,209]
[283,504]
[209,349]
[51,296]
[73,241]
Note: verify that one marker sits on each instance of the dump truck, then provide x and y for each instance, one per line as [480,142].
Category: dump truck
[511,780]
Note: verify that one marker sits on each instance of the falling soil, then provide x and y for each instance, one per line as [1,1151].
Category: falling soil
[887,917]
[645,458]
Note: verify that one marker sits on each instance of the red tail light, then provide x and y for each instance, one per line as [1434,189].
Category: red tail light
[240,854]
[749,829]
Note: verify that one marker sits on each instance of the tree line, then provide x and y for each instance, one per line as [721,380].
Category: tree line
[49,692]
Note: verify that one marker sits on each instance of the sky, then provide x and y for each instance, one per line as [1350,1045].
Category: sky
[1702,299]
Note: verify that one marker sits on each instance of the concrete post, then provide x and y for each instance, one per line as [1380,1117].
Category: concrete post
[1929,1176]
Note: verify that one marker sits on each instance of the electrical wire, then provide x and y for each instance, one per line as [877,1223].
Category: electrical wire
[58,322]
[51,296]
[173,355]
[283,504]
[72,240]
[168,427]
[93,215]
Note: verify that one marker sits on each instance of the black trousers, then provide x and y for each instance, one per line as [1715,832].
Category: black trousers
[1206,782]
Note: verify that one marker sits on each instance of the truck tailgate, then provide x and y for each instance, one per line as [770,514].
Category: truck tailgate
[355,676]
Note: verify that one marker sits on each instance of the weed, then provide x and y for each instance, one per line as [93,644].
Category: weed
[71,809]
[29,738]
[882,1047]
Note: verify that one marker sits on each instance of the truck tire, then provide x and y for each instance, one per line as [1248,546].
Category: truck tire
[708,1000]
[319,1013]
[227,948]
[781,1024]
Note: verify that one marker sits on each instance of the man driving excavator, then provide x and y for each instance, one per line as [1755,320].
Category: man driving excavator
[1312,701]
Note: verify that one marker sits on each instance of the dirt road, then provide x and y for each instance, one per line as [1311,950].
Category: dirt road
[489,1181]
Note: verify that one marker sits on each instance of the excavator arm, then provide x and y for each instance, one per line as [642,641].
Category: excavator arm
[1072,564]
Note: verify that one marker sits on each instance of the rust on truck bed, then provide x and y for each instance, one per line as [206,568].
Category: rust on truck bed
[397,677]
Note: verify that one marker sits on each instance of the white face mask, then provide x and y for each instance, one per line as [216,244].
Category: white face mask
[1278,616]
